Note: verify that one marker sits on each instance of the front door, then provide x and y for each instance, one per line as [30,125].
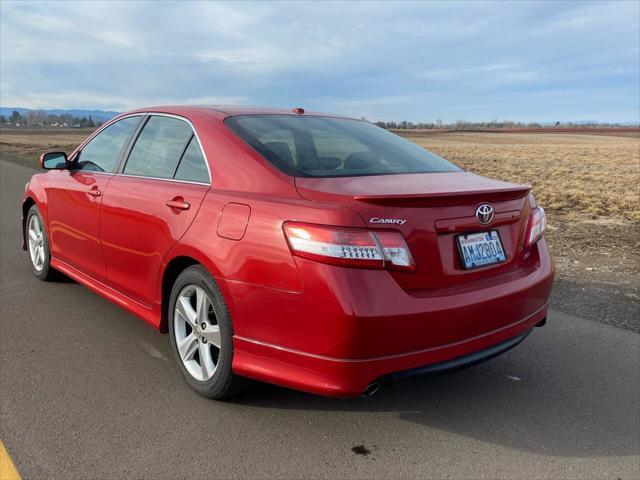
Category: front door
[74,204]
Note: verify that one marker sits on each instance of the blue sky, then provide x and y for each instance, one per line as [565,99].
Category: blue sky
[524,61]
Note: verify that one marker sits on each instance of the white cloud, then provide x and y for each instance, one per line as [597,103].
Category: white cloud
[213,101]
[79,99]
[414,60]
[494,73]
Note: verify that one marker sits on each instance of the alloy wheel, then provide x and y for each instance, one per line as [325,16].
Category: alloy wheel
[197,333]
[36,243]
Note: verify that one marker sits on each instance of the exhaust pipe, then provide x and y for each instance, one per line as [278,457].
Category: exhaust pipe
[371,389]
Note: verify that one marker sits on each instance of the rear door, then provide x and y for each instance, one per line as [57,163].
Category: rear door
[149,205]
[76,196]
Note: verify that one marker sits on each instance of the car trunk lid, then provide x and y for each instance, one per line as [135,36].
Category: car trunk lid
[430,210]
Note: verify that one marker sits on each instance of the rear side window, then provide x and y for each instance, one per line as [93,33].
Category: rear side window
[193,167]
[103,151]
[159,147]
[309,146]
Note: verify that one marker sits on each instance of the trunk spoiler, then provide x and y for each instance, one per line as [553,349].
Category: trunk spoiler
[447,198]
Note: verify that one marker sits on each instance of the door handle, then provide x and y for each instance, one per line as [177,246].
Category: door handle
[94,192]
[179,203]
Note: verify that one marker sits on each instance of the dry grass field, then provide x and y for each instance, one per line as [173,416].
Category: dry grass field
[593,174]
[27,144]
[589,185]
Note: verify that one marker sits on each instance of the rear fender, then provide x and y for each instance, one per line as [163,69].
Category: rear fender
[186,251]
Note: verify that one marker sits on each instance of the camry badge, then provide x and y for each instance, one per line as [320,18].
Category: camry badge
[390,221]
[484,213]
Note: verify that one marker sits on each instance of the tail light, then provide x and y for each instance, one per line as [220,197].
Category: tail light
[350,247]
[536,226]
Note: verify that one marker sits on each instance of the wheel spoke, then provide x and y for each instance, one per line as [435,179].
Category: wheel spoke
[206,363]
[188,347]
[212,334]
[186,311]
[202,306]
[33,236]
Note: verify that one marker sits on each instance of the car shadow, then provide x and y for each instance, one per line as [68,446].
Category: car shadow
[62,278]
[540,406]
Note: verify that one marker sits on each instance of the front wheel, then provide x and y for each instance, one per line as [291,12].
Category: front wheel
[201,334]
[38,245]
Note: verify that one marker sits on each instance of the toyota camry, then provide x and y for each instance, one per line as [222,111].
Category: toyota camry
[312,251]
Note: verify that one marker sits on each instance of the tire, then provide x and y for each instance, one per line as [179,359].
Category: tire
[195,347]
[38,246]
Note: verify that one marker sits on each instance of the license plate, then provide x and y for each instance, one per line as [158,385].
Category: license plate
[480,249]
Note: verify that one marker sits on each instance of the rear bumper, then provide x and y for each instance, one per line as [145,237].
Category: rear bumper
[460,362]
[337,377]
[350,327]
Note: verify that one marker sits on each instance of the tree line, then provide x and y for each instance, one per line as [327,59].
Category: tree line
[494,124]
[40,118]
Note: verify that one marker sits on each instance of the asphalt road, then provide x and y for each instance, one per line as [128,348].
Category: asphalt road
[88,391]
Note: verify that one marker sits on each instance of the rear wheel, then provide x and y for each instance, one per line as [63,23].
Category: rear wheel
[38,245]
[201,334]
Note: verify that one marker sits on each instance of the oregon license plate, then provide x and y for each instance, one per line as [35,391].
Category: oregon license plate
[480,249]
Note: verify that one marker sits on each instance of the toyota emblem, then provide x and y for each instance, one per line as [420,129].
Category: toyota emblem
[484,213]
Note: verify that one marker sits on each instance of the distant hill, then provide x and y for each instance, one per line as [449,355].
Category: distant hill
[97,115]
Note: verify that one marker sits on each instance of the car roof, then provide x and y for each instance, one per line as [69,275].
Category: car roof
[224,111]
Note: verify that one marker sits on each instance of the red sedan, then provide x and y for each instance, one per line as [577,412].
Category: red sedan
[312,251]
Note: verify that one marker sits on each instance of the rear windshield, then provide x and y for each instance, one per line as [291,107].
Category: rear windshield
[308,146]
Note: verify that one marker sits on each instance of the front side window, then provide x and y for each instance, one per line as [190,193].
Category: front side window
[103,151]
[308,146]
[159,147]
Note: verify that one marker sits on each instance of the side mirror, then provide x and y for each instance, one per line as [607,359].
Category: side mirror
[54,161]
